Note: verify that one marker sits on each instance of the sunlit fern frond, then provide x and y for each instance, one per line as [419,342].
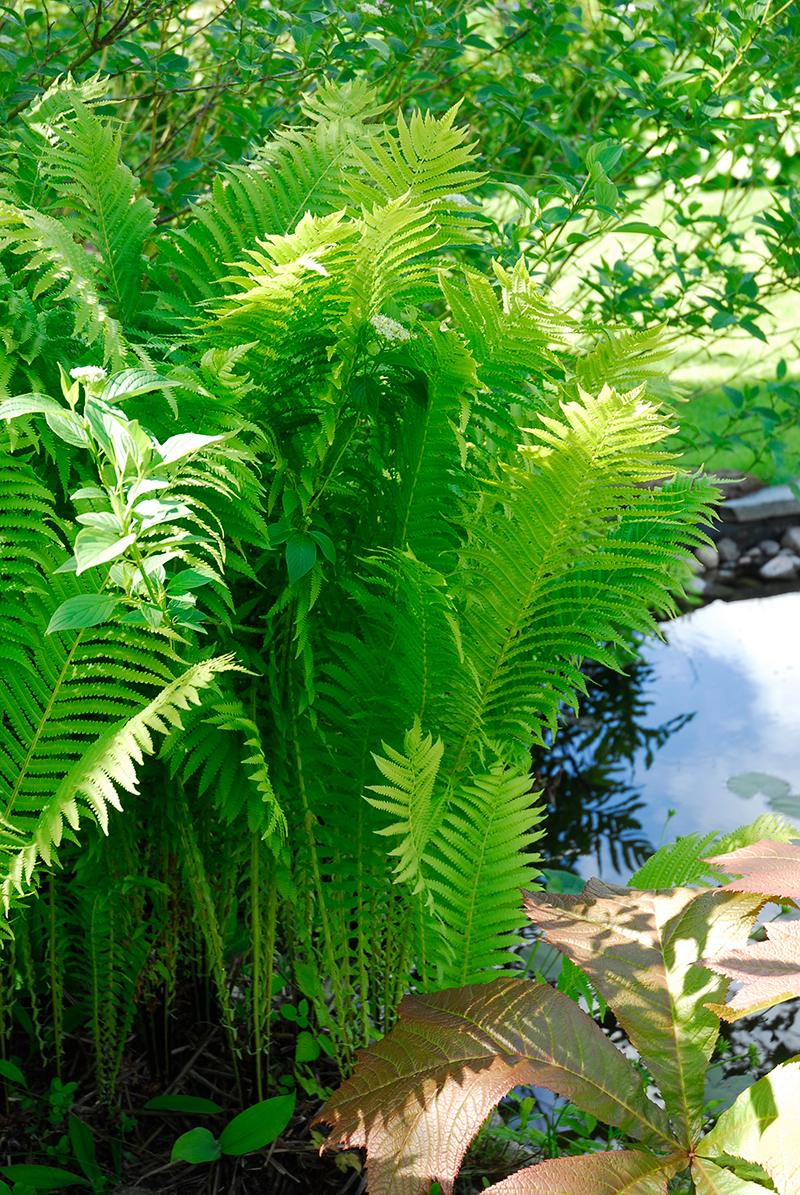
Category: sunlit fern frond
[624,359]
[429,161]
[512,336]
[409,799]
[84,167]
[77,710]
[299,171]
[475,867]
[565,555]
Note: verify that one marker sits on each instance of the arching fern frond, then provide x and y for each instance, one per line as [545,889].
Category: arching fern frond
[48,247]
[300,171]
[569,554]
[220,744]
[510,335]
[70,159]
[57,769]
[429,162]
[83,166]
[624,359]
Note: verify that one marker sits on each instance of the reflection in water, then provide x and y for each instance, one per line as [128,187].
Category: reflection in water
[587,772]
[707,724]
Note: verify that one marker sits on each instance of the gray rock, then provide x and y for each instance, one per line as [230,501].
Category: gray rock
[696,585]
[791,539]
[770,547]
[728,549]
[708,557]
[694,564]
[769,503]
[780,568]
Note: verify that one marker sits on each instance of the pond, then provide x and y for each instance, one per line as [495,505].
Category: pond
[703,733]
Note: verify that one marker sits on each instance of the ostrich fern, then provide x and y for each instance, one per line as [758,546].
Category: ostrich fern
[450,476]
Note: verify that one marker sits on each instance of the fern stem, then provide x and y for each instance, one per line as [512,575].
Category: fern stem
[56,985]
[308,825]
[206,918]
[272,919]
[255,938]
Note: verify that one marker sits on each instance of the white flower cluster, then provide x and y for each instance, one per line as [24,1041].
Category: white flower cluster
[456,200]
[90,375]
[280,13]
[389,329]
[371,10]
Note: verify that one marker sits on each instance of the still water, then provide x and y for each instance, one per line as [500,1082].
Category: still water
[706,725]
[701,734]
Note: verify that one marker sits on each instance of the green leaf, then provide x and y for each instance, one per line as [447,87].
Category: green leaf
[43,1178]
[85,610]
[29,404]
[710,1179]
[519,193]
[465,1048]
[68,427]
[301,555]
[9,1071]
[763,1126]
[176,448]
[181,1103]
[606,195]
[198,1145]
[257,1126]
[94,546]
[190,578]
[130,382]
[324,542]
[82,1141]
[89,491]
[640,226]
[307,1048]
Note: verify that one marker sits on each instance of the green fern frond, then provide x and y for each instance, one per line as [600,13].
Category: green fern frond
[429,162]
[570,554]
[298,173]
[433,447]
[475,869]
[70,159]
[50,249]
[624,359]
[409,797]
[33,814]
[676,864]
[509,335]
[354,100]
[83,165]
[223,745]
[681,863]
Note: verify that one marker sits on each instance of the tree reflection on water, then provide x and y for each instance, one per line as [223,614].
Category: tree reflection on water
[587,771]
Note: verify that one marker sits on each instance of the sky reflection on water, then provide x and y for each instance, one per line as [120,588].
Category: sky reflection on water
[736,667]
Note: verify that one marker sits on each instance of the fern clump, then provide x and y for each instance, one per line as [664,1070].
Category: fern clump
[412,500]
